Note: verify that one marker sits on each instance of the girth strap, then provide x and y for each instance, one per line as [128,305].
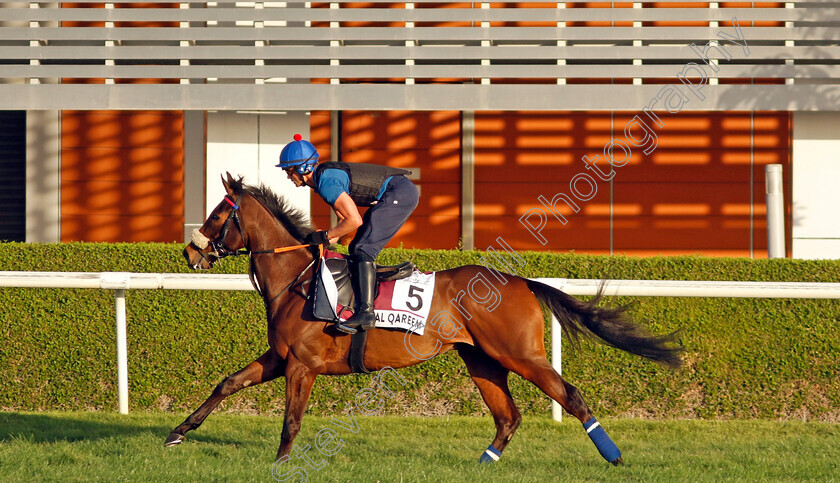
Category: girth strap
[358,341]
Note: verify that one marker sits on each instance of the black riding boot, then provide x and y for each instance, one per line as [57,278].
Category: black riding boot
[364,279]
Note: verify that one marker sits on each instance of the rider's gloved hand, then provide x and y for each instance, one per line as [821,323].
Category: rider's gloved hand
[317,238]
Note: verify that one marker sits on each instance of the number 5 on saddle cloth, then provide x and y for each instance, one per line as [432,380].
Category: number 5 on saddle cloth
[403,296]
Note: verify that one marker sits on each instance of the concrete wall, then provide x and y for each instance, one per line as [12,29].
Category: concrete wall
[249,145]
[816,185]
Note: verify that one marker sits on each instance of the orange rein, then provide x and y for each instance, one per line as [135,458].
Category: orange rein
[282,250]
[291,248]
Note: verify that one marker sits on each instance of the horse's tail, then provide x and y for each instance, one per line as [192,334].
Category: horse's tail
[612,325]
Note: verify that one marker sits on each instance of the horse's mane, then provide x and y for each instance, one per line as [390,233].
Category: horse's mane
[294,220]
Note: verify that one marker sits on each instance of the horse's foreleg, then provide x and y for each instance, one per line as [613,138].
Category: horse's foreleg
[267,367]
[491,379]
[546,378]
[299,381]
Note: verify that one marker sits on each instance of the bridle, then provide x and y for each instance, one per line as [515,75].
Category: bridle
[220,251]
[218,245]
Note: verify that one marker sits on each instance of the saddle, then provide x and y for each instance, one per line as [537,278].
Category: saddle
[340,270]
[322,308]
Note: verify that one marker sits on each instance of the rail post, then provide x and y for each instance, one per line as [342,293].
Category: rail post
[122,352]
[775,211]
[119,282]
[556,362]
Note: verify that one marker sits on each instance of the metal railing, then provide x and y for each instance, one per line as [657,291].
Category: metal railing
[414,55]
[119,282]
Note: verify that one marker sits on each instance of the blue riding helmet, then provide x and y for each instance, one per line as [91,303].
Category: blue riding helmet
[300,154]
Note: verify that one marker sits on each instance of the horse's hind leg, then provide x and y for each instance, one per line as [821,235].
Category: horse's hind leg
[546,378]
[491,379]
[267,367]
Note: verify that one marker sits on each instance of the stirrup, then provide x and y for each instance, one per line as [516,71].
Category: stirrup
[368,322]
[343,328]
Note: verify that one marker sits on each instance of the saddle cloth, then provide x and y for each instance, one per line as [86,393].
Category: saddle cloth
[399,304]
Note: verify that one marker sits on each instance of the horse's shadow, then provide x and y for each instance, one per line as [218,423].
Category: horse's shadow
[52,428]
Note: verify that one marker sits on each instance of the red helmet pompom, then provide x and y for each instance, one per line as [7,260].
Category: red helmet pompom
[298,137]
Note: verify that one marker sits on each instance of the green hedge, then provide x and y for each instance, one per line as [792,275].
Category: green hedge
[745,358]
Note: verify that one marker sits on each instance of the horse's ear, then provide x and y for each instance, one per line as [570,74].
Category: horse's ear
[227,183]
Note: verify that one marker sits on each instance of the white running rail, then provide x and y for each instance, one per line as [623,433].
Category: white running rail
[119,282]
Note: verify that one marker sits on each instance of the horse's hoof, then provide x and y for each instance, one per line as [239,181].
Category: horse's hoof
[173,439]
[617,462]
[490,455]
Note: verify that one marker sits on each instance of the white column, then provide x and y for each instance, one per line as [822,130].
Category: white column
[485,43]
[109,43]
[335,43]
[468,180]
[409,43]
[259,43]
[184,43]
[713,81]
[637,81]
[34,43]
[561,43]
[789,43]
[194,152]
[43,176]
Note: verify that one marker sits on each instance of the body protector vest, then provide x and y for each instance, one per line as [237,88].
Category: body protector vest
[365,179]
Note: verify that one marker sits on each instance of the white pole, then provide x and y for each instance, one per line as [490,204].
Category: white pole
[122,353]
[556,362]
[775,211]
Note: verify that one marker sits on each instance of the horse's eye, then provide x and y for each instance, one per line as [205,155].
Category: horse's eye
[214,217]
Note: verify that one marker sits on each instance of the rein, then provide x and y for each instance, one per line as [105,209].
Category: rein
[222,252]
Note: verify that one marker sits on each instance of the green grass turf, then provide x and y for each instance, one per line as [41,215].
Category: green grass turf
[103,446]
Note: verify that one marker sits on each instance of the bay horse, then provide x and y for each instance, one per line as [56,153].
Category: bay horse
[491,341]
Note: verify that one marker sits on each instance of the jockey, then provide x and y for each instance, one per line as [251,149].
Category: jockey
[344,186]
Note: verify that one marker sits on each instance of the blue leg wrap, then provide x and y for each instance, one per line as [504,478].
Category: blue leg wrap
[605,445]
[491,455]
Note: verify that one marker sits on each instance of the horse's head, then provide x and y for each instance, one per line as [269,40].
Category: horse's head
[272,223]
[221,234]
